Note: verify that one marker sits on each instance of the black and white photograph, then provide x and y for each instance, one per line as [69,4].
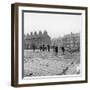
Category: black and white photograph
[49,44]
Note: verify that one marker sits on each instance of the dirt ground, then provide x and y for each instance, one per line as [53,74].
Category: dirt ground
[48,64]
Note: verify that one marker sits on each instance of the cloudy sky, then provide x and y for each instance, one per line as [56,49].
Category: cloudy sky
[56,25]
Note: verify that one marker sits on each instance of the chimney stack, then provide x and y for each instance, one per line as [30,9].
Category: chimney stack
[35,33]
[40,33]
[31,33]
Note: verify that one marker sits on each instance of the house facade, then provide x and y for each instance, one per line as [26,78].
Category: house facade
[36,39]
[71,42]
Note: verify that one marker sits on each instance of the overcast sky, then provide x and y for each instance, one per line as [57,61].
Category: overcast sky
[56,25]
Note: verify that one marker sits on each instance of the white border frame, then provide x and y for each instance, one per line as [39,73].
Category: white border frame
[51,78]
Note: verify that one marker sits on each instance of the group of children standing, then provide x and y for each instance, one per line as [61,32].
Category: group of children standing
[48,48]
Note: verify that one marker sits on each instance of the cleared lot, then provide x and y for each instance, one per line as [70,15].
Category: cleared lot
[47,64]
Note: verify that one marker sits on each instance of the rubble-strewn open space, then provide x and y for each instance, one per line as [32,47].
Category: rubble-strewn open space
[46,63]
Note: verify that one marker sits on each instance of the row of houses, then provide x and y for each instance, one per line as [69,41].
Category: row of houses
[36,39]
[70,42]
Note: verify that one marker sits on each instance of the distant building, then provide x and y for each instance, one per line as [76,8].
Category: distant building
[71,42]
[57,42]
[36,40]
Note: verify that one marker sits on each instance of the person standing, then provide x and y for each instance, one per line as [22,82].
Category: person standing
[40,48]
[34,47]
[56,50]
[43,47]
[48,48]
[63,49]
